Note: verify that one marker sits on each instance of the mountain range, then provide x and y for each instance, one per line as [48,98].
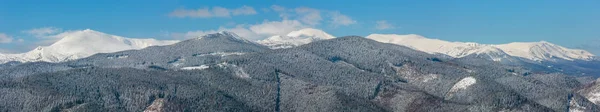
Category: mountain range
[306,70]
[535,51]
[80,44]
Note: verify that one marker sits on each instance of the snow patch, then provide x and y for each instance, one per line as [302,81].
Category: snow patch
[575,107]
[514,73]
[223,65]
[156,106]
[469,70]
[594,97]
[460,85]
[177,62]
[429,77]
[464,83]
[222,54]
[409,73]
[239,71]
[201,67]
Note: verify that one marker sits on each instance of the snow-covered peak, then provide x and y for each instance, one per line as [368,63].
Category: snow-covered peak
[310,32]
[543,51]
[295,38]
[537,51]
[454,49]
[80,44]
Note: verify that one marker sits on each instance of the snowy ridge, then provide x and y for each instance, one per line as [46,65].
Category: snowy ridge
[537,51]
[295,38]
[592,92]
[81,44]
[543,50]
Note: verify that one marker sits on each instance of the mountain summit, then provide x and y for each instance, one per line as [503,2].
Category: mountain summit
[536,51]
[295,38]
[80,44]
[543,51]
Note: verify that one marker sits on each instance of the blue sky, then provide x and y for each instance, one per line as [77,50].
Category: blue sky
[574,24]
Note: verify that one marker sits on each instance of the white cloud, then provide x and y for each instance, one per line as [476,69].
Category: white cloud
[277,27]
[244,10]
[5,38]
[198,13]
[213,12]
[313,17]
[5,51]
[51,38]
[383,25]
[45,39]
[43,32]
[291,19]
[278,8]
[251,32]
[283,13]
[339,19]
[220,12]
[309,15]
[242,31]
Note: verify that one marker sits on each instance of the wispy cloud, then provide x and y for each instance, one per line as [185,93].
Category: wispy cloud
[291,19]
[215,11]
[312,16]
[383,25]
[309,15]
[278,8]
[5,38]
[45,36]
[339,19]
[43,32]
[5,51]
[244,10]
[277,27]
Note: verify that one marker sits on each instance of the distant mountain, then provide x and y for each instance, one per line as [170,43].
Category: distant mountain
[295,38]
[225,72]
[186,53]
[543,50]
[535,51]
[81,44]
